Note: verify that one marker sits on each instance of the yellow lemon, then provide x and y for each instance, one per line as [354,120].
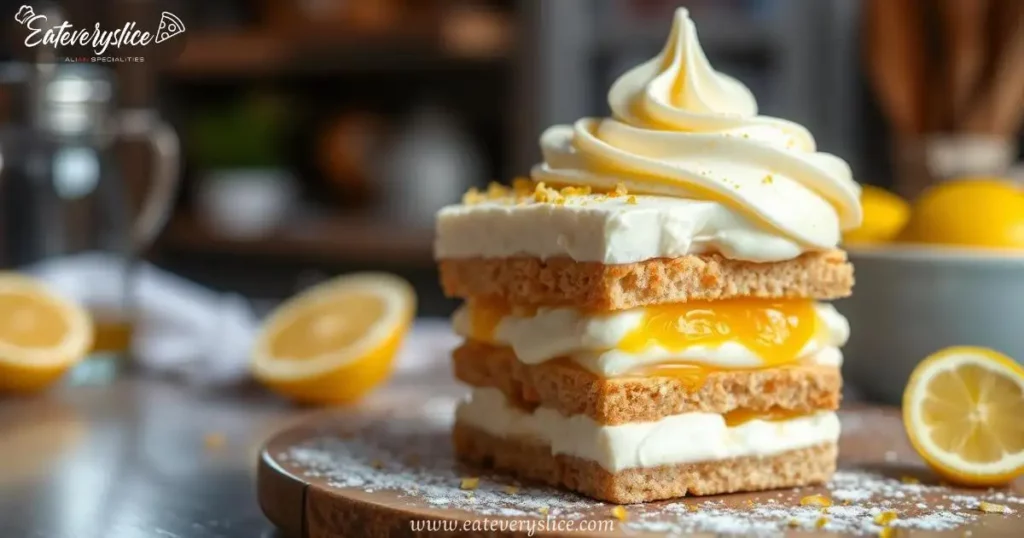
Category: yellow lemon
[41,334]
[962,409]
[969,212]
[885,214]
[336,341]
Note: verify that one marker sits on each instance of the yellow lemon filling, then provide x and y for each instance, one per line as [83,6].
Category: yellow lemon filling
[775,330]
[686,340]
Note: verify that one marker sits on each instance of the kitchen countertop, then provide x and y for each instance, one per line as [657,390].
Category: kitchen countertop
[141,457]
[138,457]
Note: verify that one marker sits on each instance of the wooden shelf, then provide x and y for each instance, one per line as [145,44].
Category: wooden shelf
[258,53]
[351,239]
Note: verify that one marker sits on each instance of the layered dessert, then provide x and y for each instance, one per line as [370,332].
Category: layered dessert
[645,317]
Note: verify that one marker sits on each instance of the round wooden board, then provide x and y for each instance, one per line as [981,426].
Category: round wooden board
[305,500]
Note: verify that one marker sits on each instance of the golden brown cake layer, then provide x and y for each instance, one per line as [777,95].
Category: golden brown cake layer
[562,385]
[563,282]
[531,460]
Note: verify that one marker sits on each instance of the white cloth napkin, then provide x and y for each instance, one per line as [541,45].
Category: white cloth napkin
[427,346]
[180,327]
[185,329]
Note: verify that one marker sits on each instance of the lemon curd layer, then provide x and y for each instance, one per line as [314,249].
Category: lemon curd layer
[677,439]
[736,334]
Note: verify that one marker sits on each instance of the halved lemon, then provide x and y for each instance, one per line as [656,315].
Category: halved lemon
[336,341]
[962,409]
[41,334]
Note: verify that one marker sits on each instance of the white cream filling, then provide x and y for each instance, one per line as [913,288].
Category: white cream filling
[597,228]
[590,340]
[685,438]
[615,363]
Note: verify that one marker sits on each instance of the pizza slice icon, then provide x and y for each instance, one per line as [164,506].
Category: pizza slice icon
[170,26]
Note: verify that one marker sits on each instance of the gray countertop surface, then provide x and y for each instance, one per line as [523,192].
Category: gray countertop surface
[143,457]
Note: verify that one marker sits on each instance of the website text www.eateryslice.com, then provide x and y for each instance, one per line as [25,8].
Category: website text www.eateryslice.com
[528,526]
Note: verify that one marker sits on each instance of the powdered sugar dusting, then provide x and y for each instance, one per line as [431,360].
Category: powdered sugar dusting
[1003,497]
[851,495]
[410,453]
[855,516]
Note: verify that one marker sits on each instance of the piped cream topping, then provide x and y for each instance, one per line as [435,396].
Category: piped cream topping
[679,128]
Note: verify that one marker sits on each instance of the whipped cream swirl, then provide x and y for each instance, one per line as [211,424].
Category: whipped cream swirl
[679,128]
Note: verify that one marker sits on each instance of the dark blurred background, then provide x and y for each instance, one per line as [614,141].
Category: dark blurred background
[319,137]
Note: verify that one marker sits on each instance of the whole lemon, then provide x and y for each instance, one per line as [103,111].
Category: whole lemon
[977,212]
[885,214]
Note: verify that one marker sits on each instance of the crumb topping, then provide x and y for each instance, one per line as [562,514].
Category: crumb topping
[575,191]
[525,191]
[620,190]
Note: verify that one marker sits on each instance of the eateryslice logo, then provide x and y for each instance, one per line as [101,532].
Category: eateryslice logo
[66,34]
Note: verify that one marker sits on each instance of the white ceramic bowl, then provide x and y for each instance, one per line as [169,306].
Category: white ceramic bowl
[909,302]
[246,203]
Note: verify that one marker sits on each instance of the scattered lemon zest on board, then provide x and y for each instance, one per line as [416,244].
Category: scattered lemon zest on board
[816,500]
[214,441]
[886,517]
[993,508]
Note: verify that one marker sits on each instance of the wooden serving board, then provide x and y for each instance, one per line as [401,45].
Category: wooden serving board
[385,470]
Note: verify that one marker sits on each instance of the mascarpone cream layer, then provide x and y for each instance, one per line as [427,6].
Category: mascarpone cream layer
[609,230]
[678,439]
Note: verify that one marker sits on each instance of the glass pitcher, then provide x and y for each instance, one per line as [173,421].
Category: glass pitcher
[64,203]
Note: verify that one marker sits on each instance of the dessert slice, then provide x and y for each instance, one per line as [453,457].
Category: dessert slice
[686,454]
[655,402]
[644,317]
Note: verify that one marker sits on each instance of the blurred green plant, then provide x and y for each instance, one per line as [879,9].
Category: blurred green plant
[246,134]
